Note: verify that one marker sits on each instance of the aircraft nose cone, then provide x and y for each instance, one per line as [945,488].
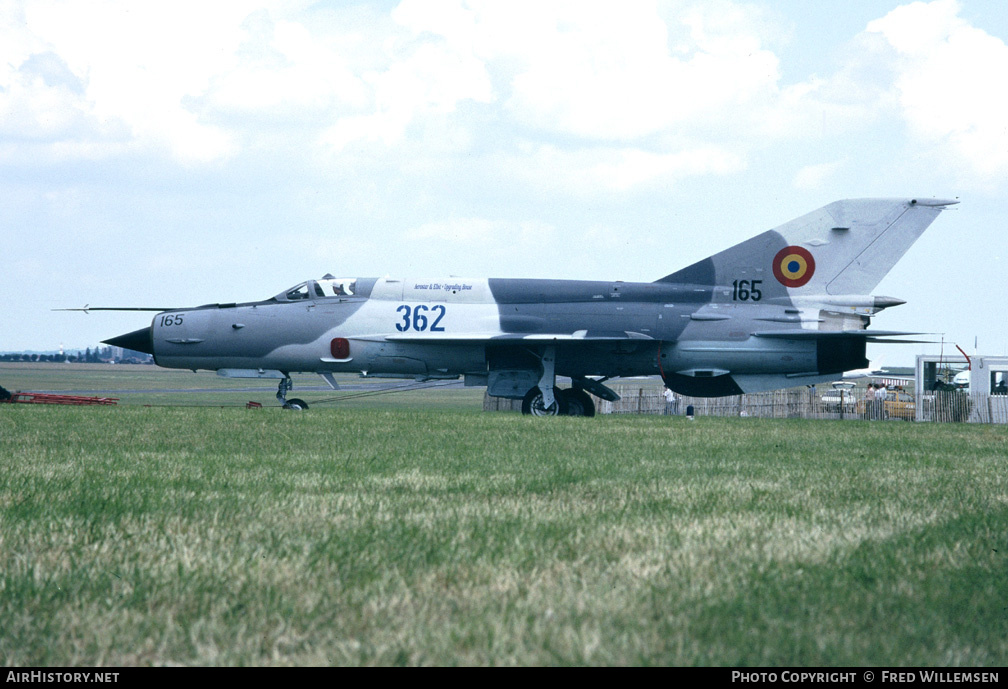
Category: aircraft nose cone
[138,340]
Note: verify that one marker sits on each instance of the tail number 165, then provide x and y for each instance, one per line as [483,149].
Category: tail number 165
[746,290]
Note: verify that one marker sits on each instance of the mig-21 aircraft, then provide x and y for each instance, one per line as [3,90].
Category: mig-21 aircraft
[788,307]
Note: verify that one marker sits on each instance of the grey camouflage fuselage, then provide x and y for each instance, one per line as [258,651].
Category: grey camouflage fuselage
[785,308]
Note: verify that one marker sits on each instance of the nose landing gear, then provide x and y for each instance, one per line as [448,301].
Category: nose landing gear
[286,384]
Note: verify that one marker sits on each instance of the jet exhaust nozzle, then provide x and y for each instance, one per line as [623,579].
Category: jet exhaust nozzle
[139,341]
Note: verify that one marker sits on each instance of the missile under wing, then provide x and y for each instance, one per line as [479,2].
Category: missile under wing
[788,307]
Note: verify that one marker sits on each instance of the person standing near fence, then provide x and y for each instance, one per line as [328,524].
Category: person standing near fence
[671,402]
[874,402]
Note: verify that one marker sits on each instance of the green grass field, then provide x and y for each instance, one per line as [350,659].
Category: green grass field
[411,535]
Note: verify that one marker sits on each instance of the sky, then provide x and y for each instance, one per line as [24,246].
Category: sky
[182,154]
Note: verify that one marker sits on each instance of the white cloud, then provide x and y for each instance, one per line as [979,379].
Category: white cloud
[135,63]
[419,75]
[284,71]
[466,230]
[473,246]
[814,176]
[607,98]
[947,78]
[588,171]
[205,80]
[610,72]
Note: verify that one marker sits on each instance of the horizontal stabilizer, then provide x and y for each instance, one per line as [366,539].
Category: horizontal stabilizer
[884,341]
[868,335]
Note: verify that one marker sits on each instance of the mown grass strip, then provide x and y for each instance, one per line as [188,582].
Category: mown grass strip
[227,536]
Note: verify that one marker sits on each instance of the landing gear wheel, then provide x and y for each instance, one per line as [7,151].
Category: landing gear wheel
[533,404]
[283,388]
[578,402]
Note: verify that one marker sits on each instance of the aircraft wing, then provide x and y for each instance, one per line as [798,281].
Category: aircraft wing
[576,336]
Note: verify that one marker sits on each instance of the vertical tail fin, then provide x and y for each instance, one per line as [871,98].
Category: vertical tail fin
[844,248]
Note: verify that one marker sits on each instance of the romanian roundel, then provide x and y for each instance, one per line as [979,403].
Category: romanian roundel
[793,266]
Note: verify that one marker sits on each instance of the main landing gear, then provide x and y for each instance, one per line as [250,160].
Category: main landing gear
[286,384]
[546,399]
[567,402]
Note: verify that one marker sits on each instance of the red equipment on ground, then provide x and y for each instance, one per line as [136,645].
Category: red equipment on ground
[48,398]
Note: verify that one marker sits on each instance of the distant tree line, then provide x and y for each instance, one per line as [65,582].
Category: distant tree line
[98,355]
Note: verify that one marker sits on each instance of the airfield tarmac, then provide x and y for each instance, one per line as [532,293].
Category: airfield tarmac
[343,387]
[154,386]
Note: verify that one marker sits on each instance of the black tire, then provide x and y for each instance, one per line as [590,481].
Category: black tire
[296,404]
[579,403]
[533,403]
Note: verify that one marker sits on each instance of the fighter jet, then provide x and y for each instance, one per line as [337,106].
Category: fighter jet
[786,308]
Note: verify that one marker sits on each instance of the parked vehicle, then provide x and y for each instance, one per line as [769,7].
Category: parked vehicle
[962,381]
[898,404]
[841,397]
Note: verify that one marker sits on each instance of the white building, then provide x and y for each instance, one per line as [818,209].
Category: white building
[987,393]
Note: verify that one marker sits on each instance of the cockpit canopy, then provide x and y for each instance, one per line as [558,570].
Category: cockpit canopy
[327,287]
